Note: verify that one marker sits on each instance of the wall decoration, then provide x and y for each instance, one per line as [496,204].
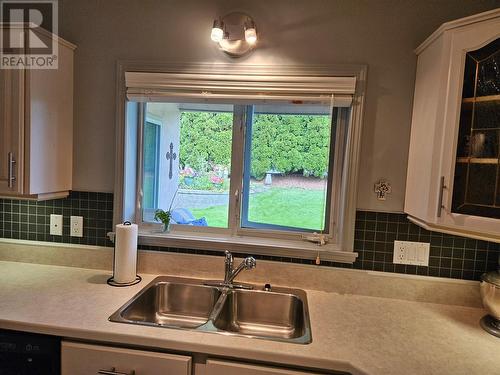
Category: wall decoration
[382,188]
[171,156]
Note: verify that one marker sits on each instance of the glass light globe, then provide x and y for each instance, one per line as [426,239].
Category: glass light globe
[251,35]
[217,34]
[217,31]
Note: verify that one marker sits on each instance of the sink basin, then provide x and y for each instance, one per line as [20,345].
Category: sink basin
[280,315]
[263,314]
[170,303]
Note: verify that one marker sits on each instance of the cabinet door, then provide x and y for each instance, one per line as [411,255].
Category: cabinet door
[11,131]
[49,127]
[215,367]
[475,189]
[85,359]
[471,152]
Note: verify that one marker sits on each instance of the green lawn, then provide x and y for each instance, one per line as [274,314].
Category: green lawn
[291,207]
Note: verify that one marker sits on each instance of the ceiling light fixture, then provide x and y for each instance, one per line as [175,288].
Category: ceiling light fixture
[235,33]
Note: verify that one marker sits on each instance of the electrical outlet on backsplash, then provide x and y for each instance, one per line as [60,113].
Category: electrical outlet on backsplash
[375,233]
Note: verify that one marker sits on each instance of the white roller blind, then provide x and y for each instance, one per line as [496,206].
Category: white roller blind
[234,88]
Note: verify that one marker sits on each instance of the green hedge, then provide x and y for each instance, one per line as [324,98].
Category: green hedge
[287,143]
[205,138]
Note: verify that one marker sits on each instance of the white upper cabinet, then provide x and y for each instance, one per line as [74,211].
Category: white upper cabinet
[453,180]
[36,128]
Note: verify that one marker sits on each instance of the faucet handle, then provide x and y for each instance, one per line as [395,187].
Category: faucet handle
[250,263]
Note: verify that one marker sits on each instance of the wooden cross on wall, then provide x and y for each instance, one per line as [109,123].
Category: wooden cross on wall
[171,155]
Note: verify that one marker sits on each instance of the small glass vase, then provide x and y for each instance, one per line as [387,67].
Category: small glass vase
[166,227]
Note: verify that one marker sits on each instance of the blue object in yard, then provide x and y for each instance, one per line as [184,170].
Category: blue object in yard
[202,222]
[184,216]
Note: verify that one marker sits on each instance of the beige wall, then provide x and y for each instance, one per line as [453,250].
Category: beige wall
[379,33]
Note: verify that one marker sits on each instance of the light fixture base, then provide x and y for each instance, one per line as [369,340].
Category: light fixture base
[234,43]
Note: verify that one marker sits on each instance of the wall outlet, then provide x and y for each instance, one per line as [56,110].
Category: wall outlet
[414,253]
[76,226]
[56,225]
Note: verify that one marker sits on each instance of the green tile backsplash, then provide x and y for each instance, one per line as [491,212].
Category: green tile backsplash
[375,233]
[29,220]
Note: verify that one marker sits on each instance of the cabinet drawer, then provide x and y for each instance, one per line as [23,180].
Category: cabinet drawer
[85,359]
[215,367]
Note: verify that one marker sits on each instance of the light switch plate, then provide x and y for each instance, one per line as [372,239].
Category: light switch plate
[76,226]
[414,253]
[56,225]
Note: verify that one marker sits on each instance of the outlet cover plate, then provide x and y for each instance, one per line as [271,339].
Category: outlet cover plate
[56,225]
[413,253]
[76,226]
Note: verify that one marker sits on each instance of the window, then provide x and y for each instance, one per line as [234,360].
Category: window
[194,176]
[288,155]
[253,163]
[286,158]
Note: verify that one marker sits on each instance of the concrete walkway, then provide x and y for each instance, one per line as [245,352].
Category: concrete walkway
[200,199]
[190,199]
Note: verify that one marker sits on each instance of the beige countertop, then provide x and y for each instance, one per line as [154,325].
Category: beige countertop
[358,334]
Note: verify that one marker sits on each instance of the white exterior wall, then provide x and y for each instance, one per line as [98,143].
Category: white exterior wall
[169,116]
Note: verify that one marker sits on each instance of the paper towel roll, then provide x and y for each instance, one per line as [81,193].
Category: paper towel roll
[125,264]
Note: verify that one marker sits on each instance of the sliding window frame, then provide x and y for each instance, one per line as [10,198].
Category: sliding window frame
[245,223]
[334,190]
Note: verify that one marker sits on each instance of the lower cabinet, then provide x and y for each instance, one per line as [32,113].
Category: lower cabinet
[217,367]
[86,359]
[91,359]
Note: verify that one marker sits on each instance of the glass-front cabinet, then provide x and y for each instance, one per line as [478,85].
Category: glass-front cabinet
[476,188]
[453,179]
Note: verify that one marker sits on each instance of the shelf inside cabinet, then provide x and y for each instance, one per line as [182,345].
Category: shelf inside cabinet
[481,99]
[477,160]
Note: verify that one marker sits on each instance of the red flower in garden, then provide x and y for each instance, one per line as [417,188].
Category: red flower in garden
[216,180]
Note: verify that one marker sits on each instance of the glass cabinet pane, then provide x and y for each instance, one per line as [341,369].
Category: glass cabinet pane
[476,189]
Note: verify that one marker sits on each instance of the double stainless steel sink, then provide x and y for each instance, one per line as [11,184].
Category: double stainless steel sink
[280,314]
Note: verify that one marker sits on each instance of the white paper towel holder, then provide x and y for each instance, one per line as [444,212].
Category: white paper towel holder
[111,281]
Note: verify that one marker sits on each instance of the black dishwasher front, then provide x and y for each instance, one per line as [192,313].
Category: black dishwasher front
[24,353]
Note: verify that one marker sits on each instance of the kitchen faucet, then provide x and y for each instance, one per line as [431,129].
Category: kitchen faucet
[230,273]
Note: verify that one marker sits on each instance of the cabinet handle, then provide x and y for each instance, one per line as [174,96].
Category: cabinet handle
[442,186]
[11,178]
[113,372]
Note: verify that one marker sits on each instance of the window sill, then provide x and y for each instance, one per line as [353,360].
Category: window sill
[246,244]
